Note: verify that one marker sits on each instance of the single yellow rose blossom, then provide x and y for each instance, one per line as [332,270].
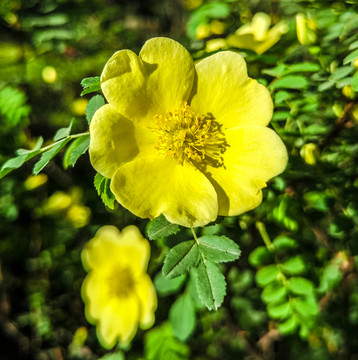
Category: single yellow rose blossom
[187,141]
[257,35]
[117,292]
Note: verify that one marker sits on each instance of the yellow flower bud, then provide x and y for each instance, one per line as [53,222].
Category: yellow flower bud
[79,106]
[217,27]
[348,91]
[78,215]
[305,28]
[310,153]
[203,31]
[35,181]
[49,74]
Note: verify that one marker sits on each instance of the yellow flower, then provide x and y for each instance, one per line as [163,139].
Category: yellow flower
[306,29]
[186,141]
[117,292]
[257,35]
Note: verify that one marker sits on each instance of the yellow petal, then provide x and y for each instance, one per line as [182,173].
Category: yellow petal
[112,140]
[147,301]
[135,249]
[153,83]
[119,321]
[255,154]
[95,294]
[224,90]
[157,185]
[104,248]
[259,25]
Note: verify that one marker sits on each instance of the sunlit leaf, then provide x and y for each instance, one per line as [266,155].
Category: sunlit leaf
[210,284]
[218,248]
[267,274]
[48,155]
[160,228]
[93,105]
[180,259]
[182,317]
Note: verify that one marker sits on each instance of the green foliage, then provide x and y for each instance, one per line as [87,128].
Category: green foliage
[210,284]
[77,148]
[93,105]
[160,344]
[102,185]
[23,156]
[48,155]
[218,248]
[14,109]
[160,228]
[90,85]
[180,259]
[182,317]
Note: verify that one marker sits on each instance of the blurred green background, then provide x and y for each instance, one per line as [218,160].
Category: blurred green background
[309,214]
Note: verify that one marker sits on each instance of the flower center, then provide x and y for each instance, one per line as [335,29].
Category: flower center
[121,281]
[190,138]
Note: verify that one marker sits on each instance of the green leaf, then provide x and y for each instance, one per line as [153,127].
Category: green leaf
[282,96]
[23,156]
[353,46]
[218,248]
[93,105]
[351,57]
[63,132]
[302,67]
[77,148]
[113,356]
[210,284]
[306,306]
[290,82]
[48,155]
[160,344]
[267,275]
[259,256]
[274,293]
[326,85]
[276,71]
[90,85]
[102,185]
[355,82]
[165,286]
[37,147]
[279,312]
[341,72]
[294,266]
[329,279]
[180,259]
[182,317]
[160,228]
[284,243]
[289,326]
[300,286]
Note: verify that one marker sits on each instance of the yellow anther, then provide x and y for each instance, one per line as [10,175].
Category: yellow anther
[189,137]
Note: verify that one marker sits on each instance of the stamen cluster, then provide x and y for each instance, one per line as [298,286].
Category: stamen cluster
[189,137]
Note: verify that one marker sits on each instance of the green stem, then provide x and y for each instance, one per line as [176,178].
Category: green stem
[195,238]
[67,137]
[264,235]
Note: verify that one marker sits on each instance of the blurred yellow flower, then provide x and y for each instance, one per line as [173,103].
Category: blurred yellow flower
[190,142]
[310,153]
[69,206]
[257,35]
[49,74]
[117,292]
[34,181]
[306,29]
